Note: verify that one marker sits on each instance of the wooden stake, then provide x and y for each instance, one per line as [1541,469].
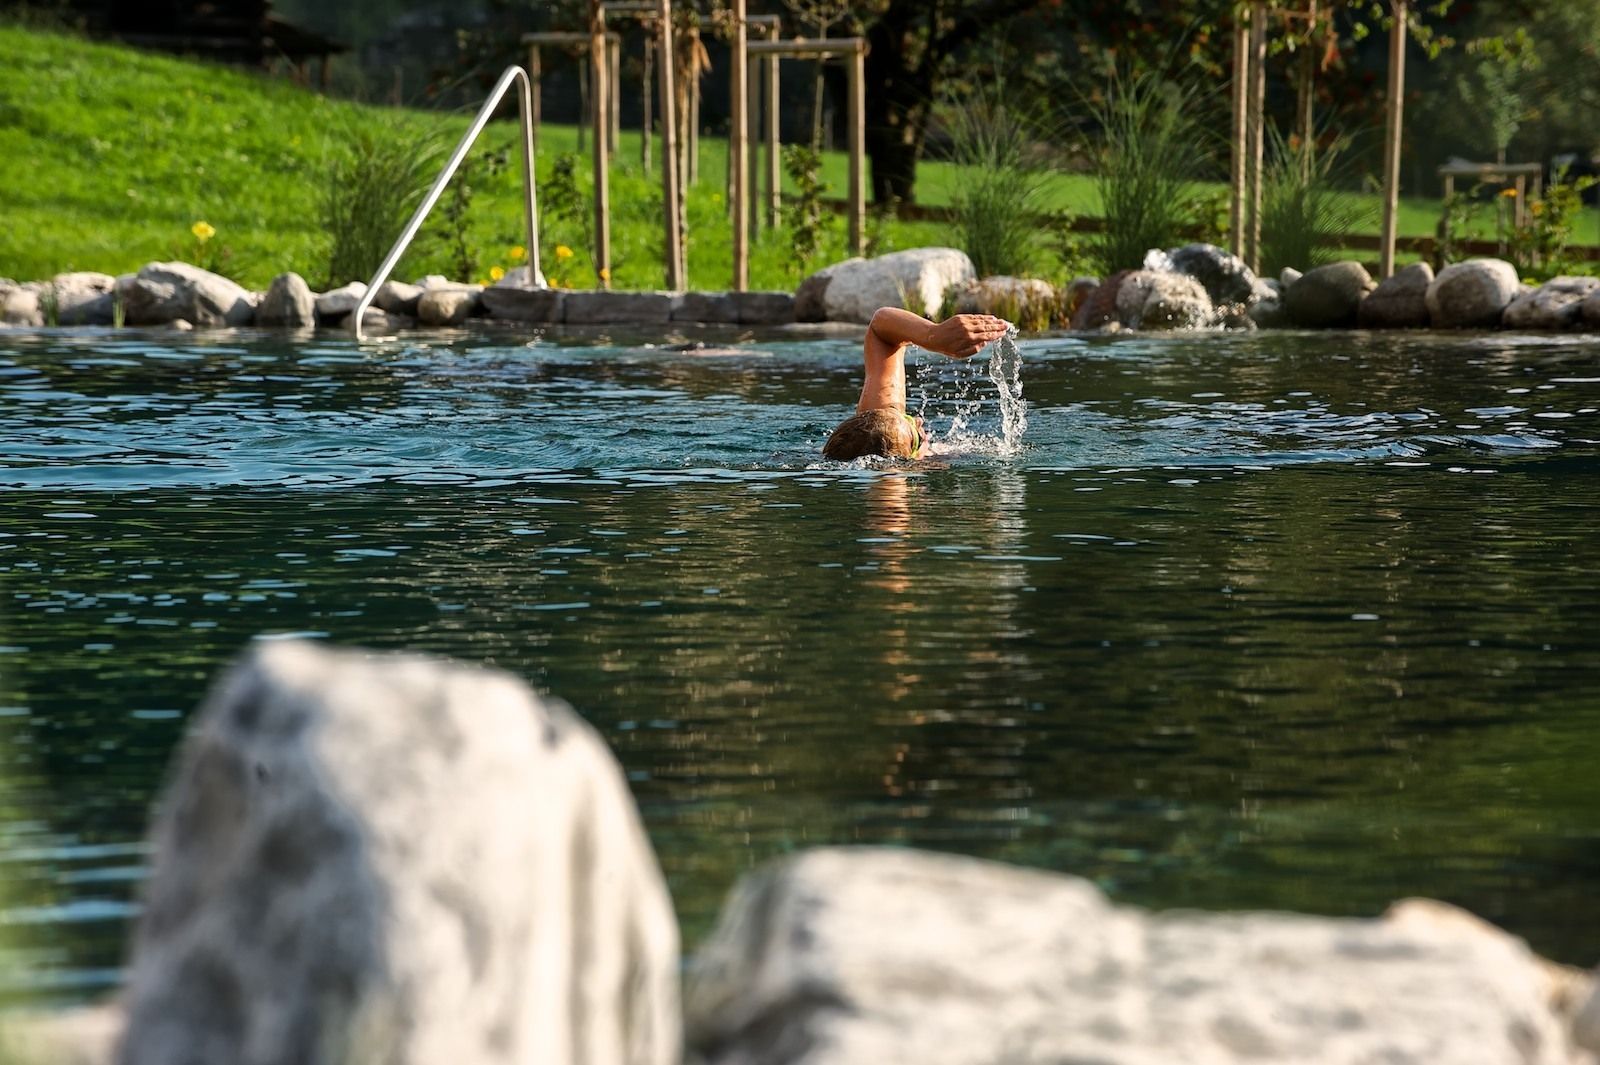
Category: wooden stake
[600,97]
[649,118]
[738,157]
[1392,132]
[670,173]
[613,90]
[1238,96]
[694,112]
[1257,128]
[774,185]
[858,150]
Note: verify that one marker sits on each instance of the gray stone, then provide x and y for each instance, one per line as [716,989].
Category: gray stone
[289,303]
[1557,304]
[1155,300]
[336,303]
[1268,313]
[861,956]
[1589,310]
[1328,297]
[377,321]
[811,298]
[711,307]
[1225,276]
[1472,295]
[83,298]
[1004,296]
[1289,275]
[364,857]
[916,279]
[1078,291]
[162,292]
[448,304]
[181,325]
[524,304]
[397,297]
[1400,301]
[764,308]
[21,306]
[602,308]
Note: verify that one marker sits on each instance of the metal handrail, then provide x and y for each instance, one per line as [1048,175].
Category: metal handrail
[530,207]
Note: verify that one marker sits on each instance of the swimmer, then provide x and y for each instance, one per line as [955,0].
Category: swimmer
[880,425]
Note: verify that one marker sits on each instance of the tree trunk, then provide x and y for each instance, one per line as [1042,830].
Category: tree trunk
[896,107]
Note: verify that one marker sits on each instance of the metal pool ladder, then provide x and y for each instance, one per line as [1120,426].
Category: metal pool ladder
[530,207]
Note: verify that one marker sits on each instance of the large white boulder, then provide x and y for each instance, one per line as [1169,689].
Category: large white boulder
[390,858]
[82,297]
[1473,294]
[868,955]
[915,279]
[1556,304]
[164,292]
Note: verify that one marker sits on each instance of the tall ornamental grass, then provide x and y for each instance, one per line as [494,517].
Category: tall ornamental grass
[998,203]
[1151,151]
[377,174]
[1306,217]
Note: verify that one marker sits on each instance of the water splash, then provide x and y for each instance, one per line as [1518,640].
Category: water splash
[1005,370]
[956,389]
[1160,261]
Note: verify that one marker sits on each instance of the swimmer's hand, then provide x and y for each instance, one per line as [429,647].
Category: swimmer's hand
[962,336]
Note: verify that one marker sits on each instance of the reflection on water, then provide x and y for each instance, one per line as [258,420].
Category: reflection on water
[1293,622]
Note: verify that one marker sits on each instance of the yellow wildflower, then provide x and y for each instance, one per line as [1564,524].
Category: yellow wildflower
[496,273]
[1510,193]
[517,252]
[563,253]
[605,275]
[203,231]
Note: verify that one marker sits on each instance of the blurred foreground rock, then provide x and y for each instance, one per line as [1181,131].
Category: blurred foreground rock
[393,859]
[865,956]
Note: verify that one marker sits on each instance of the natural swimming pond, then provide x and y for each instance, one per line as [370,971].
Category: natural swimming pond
[1298,621]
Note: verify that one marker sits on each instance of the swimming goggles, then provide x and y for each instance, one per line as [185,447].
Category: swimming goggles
[916,434]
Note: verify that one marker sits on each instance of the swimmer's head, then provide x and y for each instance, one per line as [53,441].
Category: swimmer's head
[885,431]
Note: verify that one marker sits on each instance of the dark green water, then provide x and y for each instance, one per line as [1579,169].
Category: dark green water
[1309,622]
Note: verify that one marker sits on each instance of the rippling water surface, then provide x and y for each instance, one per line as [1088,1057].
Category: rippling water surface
[1273,621]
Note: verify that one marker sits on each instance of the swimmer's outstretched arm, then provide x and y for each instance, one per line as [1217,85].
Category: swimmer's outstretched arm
[960,336]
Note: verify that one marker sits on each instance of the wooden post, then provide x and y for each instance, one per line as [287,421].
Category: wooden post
[694,112]
[649,117]
[1257,128]
[752,139]
[738,158]
[858,150]
[1308,69]
[614,89]
[670,190]
[1239,96]
[1391,140]
[774,183]
[585,98]
[599,96]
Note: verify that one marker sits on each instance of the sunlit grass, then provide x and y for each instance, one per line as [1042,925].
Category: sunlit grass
[109,156]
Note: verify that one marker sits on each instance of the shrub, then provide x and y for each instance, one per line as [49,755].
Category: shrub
[376,177]
[999,200]
[1151,152]
[1305,217]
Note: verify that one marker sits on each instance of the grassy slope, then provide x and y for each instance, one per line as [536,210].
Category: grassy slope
[108,156]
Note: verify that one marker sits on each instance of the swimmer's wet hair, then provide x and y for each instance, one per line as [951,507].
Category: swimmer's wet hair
[872,432]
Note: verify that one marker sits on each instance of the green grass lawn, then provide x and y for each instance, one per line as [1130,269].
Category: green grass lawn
[109,156]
